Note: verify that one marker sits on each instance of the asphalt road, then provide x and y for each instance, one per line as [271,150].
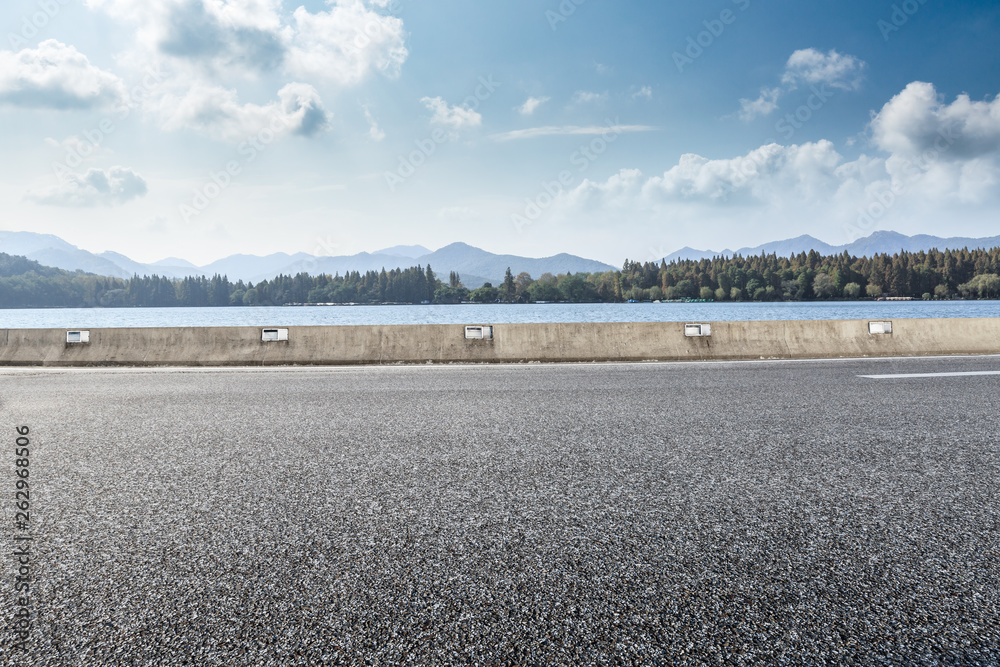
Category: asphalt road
[724,513]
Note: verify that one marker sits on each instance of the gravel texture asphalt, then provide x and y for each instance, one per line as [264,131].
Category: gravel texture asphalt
[726,513]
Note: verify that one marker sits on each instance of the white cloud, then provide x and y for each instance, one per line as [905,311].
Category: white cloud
[917,122]
[456,118]
[217,112]
[531,104]
[789,180]
[762,106]
[56,76]
[766,174]
[809,66]
[564,130]
[97,187]
[342,45]
[210,34]
[204,46]
[346,43]
[645,93]
[780,187]
[374,131]
[587,97]
[940,160]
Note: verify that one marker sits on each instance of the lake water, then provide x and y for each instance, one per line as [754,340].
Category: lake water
[59,318]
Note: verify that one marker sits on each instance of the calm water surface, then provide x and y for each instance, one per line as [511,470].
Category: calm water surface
[489,314]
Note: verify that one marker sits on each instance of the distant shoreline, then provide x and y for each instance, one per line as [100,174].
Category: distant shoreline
[813,302]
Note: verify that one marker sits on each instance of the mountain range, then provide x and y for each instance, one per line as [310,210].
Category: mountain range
[474,265]
[878,242]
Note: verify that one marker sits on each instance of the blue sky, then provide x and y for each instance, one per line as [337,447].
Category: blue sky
[612,130]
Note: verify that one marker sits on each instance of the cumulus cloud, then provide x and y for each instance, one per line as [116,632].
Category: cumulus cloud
[531,104]
[204,46]
[917,122]
[936,160]
[56,76]
[218,113]
[782,187]
[806,181]
[455,118]
[809,66]
[806,67]
[244,34]
[97,187]
[346,43]
[767,174]
[762,106]
[342,45]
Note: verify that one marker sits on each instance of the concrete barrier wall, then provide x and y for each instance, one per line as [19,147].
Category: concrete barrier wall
[662,341]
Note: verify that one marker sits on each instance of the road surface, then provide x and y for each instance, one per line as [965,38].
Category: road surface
[713,513]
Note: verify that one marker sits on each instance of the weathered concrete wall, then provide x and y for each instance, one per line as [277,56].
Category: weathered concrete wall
[241,346]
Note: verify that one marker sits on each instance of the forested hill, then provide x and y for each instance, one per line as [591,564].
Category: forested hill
[15,265]
[803,277]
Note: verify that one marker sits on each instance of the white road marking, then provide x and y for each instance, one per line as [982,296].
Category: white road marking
[928,375]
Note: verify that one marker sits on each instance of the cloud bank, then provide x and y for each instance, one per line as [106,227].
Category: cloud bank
[210,48]
[342,45]
[56,76]
[933,160]
[96,187]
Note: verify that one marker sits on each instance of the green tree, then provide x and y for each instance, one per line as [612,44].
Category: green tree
[508,289]
[576,288]
[684,289]
[791,290]
[522,283]
[432,283]
[984,286]
[543,290]
[485,294]
[805,281]
[449,294]
[823,286]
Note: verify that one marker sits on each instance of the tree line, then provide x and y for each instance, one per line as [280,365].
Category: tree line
[970,274]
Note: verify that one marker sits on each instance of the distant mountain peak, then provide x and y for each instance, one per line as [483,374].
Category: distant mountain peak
[458,245]
[410,251]
[808,239]
[175,262]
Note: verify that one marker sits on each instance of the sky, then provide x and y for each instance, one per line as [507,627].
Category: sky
[612,130]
